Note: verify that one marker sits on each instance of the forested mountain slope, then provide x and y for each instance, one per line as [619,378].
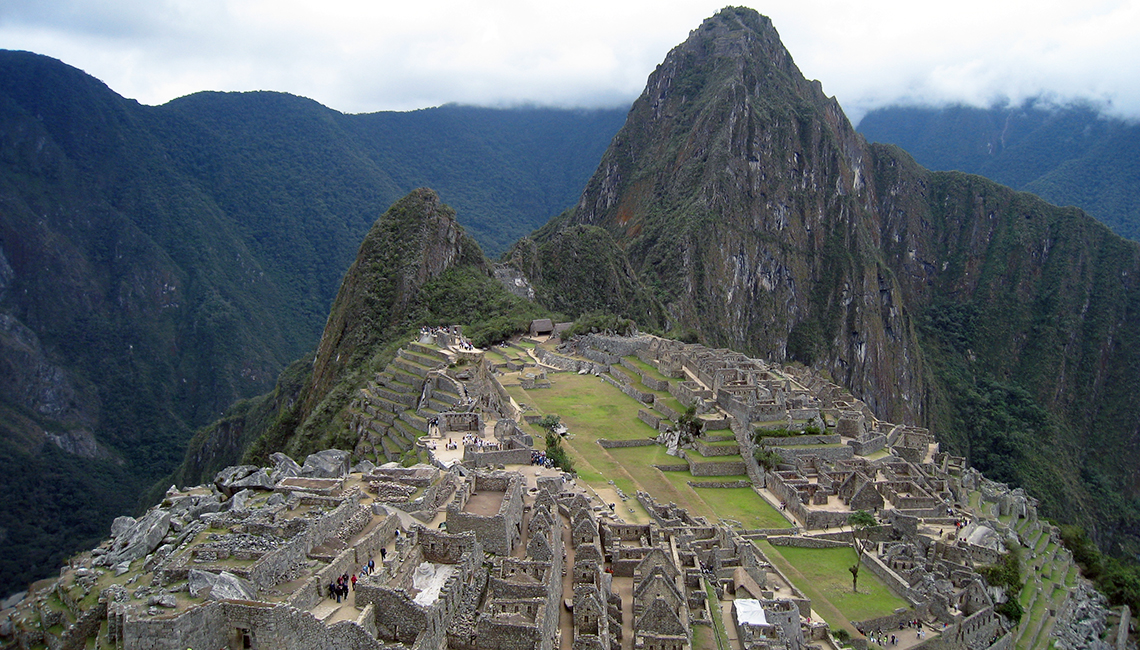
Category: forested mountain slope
[1069,155]
[159,263]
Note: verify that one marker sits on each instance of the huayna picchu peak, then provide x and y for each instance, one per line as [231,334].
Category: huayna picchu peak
[763,386]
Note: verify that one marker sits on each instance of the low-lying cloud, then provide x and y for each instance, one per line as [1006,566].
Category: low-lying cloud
[360,56]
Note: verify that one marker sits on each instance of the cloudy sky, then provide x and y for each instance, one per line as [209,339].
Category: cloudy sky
[370,55]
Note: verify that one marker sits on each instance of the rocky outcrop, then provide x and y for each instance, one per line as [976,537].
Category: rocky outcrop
[740,189]
[1082,620]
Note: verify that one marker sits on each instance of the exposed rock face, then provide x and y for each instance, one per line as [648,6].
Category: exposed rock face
[740,189]
[744,200]
[1082,620]
[221,586]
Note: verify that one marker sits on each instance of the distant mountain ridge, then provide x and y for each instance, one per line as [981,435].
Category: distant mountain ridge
[159,263]
[1067,155]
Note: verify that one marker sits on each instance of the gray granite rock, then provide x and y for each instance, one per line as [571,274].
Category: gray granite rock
[225,479]
[330,463]
[364,466]
[283,466]
[220,586]
[140,539]
[121,525]
[259,480]
[240,501]
[166,600]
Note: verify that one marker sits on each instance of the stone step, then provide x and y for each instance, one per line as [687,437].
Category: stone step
[406,431]
[407,384]
[411,367]
[436,406]
[392,374]
[391,449]
[446,397]
[407,399]
[425,351]
[426,361]
[417,421]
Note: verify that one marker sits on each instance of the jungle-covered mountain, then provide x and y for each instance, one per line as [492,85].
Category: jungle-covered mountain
[1068,155]
[744,200]
[158,263]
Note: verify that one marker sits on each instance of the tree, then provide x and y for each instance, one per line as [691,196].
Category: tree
[859,521]
[689,426]
[767,458]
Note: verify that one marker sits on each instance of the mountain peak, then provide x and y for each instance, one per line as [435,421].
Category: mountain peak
[416,240]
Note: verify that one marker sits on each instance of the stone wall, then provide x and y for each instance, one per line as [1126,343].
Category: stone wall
[621,346]
[283,563]
[805,542]
[498,533]
[717,468]
[628,389]
[555,360]
[826,453]
[708,450]
[720,484]
[476,458]
[616,444]
[810,439]
[892,580]
[869,446]
[651,419]
[75,637]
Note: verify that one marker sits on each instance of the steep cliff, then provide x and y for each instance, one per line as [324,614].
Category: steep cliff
[743,198]
[738,190]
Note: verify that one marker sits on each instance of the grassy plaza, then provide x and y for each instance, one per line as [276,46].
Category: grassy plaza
[593,410]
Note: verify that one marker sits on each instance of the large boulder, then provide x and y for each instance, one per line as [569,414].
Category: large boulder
[283,466]
[364,467]
[241,500]
[225,479]
[259,480]
[220,586]
[330,463]
[121,525]
[140,539]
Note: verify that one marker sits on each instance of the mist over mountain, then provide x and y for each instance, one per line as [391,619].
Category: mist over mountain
[1067,155]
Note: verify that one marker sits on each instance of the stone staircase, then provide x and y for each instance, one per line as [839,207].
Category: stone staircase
[386,414]
[1051,573]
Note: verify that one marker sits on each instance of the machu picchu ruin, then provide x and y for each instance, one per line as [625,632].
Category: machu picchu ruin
[710,507]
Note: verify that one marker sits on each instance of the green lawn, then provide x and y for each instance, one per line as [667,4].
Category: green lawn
[593,409]
[589,406]
[743,505]
[823,576]
[647,369]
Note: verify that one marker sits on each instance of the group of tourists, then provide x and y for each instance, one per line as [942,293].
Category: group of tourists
[344,583]
[540,458]
[472,440]
[882,638]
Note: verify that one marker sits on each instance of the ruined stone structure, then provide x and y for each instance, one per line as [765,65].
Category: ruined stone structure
[468,559]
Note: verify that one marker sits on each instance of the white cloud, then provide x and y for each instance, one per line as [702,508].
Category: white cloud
[357,56]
